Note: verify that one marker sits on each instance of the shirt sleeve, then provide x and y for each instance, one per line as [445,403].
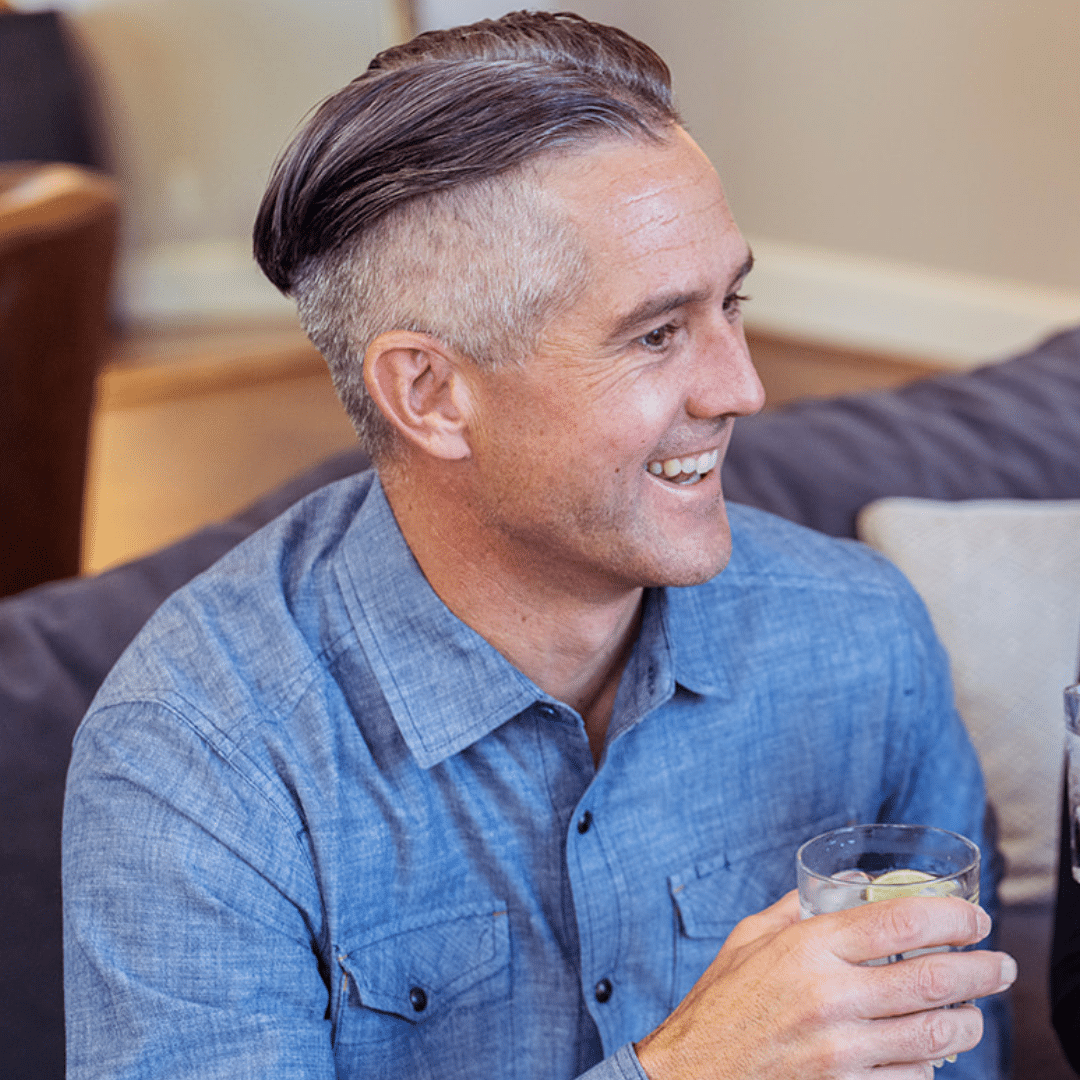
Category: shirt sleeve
[622,1065]
[189,912]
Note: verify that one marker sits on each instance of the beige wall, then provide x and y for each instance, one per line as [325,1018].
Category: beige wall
[889,142]
[939,132]
[201,95]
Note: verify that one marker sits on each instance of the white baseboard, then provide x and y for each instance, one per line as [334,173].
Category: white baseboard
[895,308]
[801,292]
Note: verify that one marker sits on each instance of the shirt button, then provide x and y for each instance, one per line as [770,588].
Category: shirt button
[602,990]
[584,822]
[418,999]
[548,712]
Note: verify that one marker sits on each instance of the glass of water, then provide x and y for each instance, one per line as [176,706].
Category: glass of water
[865,863]
[1072,758]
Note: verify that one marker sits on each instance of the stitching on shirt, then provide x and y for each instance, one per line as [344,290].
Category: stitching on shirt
[228,759]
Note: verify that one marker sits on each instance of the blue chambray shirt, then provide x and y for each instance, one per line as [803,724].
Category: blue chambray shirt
[316,826]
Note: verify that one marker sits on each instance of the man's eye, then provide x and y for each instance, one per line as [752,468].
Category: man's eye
[658,338]
[733,303]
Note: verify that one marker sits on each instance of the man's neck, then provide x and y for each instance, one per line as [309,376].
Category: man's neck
[571,642]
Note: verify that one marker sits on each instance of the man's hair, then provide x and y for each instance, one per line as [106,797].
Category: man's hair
[409,201]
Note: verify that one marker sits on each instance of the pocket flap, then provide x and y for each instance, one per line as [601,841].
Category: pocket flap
[715,894]
[415,967]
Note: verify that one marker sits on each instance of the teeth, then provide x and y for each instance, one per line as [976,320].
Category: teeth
[690,466]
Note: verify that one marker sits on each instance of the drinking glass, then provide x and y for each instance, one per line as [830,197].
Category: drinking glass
[866,863]
[1072,758]
[861,864]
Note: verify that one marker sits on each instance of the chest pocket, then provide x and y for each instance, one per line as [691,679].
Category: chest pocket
[425,993]
[713,895]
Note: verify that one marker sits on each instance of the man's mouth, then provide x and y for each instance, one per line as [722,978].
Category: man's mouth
[685,470]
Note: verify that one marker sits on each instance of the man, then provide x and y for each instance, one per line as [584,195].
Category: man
[474,766]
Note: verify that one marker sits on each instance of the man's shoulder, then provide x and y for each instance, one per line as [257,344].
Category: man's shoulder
[767,549]
[806,578]
[256,623]
[799,604]
[787,585]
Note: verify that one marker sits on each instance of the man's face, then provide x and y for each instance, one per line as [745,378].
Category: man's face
[597,462]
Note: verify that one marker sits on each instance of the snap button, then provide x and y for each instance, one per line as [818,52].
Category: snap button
[602,990]
[584,822]
[418,999]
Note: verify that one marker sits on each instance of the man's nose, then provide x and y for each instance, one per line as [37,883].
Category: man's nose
[726,382]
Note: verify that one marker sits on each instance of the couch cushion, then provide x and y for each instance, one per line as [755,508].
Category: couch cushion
[1010,431]
[1001,579]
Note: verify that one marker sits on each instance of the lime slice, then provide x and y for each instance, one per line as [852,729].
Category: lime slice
[903,882]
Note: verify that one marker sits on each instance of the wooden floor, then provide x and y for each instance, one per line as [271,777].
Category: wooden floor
[191,426]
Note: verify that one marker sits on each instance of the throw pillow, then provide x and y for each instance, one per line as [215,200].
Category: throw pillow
[1001,580]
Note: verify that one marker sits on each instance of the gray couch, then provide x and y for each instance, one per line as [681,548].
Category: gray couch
[1011,430]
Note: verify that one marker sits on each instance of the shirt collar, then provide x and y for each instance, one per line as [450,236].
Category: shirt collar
[700,621]
[445,685]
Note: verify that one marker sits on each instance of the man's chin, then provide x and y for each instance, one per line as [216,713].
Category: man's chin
[694,558]
[694,568]
[693,577]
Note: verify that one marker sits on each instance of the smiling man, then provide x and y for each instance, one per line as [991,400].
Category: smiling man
[493,761]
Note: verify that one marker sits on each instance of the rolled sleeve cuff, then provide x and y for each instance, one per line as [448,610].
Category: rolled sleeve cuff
[622,1065]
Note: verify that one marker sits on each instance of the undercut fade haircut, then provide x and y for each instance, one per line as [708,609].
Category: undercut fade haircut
[410,199]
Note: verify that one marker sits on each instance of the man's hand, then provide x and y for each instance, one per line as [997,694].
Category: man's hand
[793,1000]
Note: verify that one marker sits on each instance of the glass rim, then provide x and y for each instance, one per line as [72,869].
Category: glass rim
[972,848]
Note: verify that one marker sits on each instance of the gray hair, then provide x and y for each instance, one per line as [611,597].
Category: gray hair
[408,200]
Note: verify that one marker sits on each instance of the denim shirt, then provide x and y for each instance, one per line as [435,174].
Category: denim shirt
[317,827]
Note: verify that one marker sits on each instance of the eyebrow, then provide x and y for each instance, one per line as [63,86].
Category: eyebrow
[656,306]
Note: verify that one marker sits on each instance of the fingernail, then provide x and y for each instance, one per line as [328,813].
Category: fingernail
[1008,973]
[984,922]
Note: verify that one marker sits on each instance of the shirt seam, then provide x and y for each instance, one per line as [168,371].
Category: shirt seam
[227,758]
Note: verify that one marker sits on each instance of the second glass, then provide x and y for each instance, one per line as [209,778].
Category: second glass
[1072,759]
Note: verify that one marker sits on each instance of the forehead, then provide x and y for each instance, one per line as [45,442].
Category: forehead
[650,215]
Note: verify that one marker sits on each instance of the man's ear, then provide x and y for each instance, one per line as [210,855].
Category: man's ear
[418,384]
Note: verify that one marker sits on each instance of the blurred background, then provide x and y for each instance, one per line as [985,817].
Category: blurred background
[907,173]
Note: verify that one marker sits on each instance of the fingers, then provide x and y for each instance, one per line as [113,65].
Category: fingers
[933,981]
[891,927]
[786,997]
[901,1047]
[905,1045]
[929,1036]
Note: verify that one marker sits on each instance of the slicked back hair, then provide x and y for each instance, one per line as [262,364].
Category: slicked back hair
[407,201]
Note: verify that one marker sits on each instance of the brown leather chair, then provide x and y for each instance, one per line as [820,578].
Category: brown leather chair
[58,232]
